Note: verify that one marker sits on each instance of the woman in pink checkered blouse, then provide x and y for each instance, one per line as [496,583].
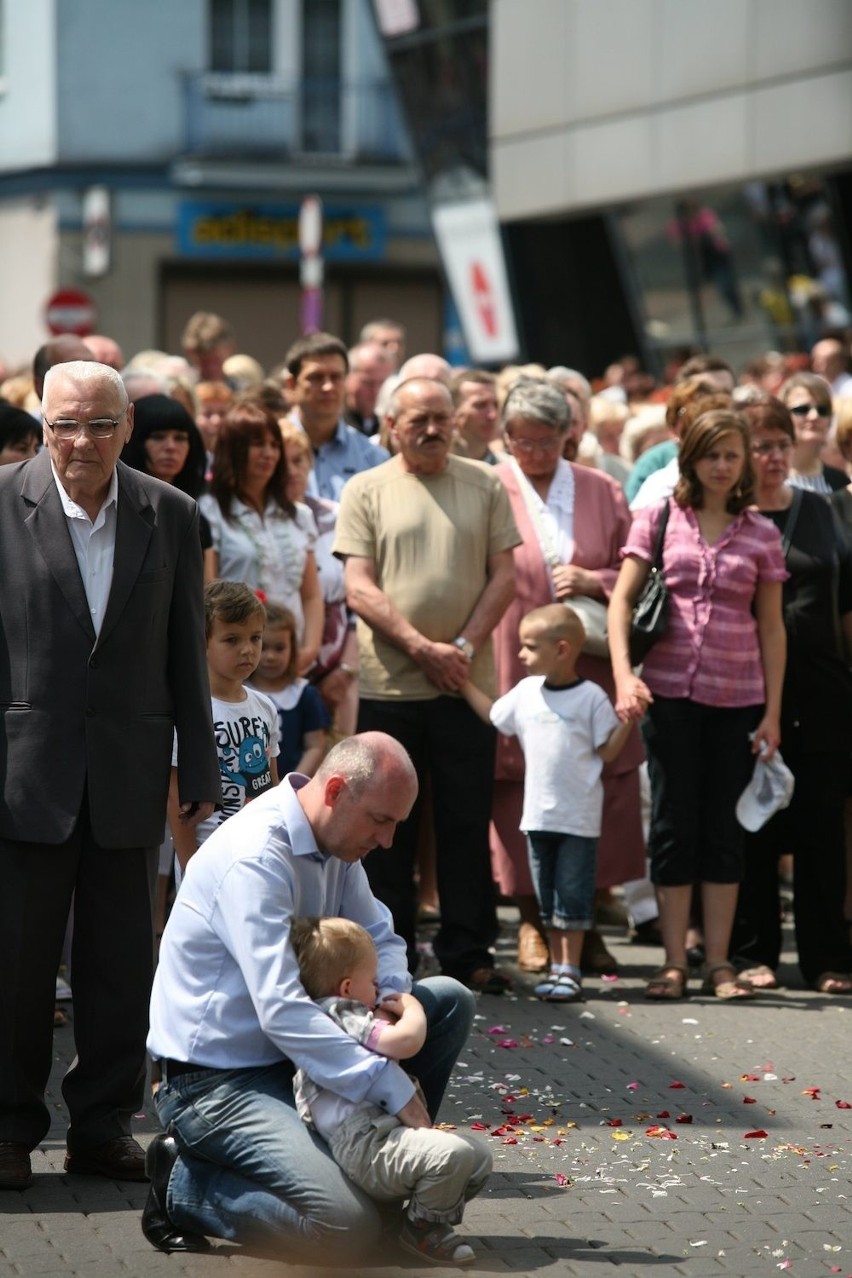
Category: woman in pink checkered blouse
[711,681]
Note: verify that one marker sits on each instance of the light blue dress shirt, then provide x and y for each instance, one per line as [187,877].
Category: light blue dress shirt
[227,992]
[347,453]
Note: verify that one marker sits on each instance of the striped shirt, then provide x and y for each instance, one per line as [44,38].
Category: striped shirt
[710,652]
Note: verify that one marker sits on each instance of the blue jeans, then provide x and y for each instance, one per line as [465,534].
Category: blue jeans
[563,875]
[250,1171]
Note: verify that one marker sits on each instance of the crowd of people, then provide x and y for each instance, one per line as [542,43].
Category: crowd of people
[363,603]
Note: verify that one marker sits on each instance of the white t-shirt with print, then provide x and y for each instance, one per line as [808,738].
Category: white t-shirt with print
[246,735]
[560,730]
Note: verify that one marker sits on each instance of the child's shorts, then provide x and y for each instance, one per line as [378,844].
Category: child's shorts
[563,874]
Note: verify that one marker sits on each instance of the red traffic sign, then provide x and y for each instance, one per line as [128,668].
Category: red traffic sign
[70,310]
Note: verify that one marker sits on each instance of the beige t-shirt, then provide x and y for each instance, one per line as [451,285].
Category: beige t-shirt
[430,537]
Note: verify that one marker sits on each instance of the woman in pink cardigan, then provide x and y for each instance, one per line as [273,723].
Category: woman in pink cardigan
[574,521]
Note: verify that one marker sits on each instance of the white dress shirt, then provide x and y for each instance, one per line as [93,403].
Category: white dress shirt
[94,545]
[227,992]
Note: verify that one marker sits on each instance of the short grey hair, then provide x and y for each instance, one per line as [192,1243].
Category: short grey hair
[363,759]
[393,406]
[559,373]
[533,399]
[80,370]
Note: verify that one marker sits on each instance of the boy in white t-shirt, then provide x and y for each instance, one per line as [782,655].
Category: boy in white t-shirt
[245,722]
[568,729]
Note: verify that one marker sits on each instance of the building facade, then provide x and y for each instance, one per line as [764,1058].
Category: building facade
[673,173]
[198,127]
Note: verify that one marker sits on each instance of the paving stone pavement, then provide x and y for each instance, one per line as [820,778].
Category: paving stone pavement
[619,1130]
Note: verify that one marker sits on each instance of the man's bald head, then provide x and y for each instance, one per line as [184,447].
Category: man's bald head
[59,350]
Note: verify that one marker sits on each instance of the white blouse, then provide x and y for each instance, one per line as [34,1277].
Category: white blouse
[268,552]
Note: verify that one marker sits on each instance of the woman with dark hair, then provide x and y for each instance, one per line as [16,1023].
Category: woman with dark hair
[710,681]
[260,536]
[808,399]
[816,728]
[166,443]
[20,435]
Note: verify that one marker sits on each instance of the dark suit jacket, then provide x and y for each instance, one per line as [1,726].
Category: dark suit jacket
[99,714]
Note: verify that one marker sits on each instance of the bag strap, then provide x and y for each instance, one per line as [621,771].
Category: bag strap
[657,561]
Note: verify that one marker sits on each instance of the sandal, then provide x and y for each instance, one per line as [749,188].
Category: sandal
[487,980]
[731,990]
[760,977]
[596,959]
[559,987]
[533,953]
[833,983]
[668,983]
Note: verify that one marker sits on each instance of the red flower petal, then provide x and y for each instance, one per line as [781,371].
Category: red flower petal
[684,1118]
[759,1134]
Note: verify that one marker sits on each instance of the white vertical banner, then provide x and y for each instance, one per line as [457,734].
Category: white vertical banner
[468,237]
[97,231]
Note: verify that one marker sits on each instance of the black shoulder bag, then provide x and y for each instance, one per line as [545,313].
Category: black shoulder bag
[650,619]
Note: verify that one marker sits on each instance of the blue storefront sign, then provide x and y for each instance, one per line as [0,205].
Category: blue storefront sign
[218,229]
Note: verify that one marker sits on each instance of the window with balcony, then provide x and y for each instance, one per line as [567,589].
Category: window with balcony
[321,103]
[241,36]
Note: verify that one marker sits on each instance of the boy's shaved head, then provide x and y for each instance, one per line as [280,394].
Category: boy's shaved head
[557,622]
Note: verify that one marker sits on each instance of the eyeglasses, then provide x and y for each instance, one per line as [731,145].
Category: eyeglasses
[531,446]
[782,446]
[802,410]
[98,428]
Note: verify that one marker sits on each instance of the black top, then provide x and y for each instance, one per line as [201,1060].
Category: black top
[817,683]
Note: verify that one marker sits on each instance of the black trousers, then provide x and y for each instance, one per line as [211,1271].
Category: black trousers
[112,970]
[450,744]
[699,762]
[812,828]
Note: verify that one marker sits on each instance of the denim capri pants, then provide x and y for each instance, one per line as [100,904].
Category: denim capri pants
[563,875]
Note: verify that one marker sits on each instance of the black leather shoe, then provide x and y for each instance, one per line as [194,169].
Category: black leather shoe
[15,1169]
[156,1225]
[120,1159]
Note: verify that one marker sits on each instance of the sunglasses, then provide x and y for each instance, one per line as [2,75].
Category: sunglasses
[802,410]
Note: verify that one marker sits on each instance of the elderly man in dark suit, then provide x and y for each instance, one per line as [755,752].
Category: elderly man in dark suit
[101,659]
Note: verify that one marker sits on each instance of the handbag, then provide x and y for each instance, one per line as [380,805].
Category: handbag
[650,619]
[592,614]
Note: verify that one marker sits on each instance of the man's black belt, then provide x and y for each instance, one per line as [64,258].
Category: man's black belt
[174,1069]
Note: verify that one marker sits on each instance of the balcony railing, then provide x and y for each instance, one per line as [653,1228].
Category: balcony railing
[245,116]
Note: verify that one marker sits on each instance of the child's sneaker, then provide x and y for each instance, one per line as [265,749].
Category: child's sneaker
[435,1243]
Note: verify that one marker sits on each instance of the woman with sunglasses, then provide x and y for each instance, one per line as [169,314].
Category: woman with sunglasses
[808,399]
[816,729]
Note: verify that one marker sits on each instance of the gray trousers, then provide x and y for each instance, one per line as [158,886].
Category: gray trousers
[437,1170]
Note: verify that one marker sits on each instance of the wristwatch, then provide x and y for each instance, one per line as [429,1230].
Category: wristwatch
[464,646]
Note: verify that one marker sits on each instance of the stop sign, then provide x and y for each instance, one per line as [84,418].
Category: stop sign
[70,310]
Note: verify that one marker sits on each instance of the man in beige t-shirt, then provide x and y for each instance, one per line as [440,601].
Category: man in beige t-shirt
[427,539]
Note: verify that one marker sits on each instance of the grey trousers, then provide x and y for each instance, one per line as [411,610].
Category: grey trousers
[437,1170]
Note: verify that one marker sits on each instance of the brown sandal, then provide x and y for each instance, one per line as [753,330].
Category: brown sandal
[668,983]
[734,989]
[841,981]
